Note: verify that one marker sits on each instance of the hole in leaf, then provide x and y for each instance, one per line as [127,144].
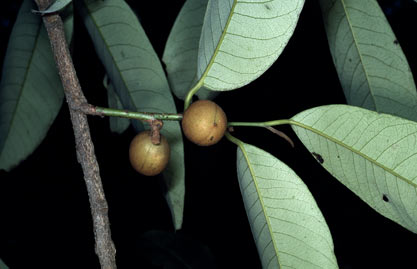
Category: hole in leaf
[318,157]
[385,198]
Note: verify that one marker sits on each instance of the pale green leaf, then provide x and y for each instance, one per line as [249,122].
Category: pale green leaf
[181,50]
[371,65]
[54,7]
[287,225]
[31,92]
[240,40]
[372,154]
[117,124]
[139,80]
[3,265]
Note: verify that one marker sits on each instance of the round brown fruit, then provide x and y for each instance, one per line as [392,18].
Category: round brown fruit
[204,123]
[147,158]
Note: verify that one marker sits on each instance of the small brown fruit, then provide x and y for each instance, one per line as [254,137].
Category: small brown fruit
[147,158]
[204,123]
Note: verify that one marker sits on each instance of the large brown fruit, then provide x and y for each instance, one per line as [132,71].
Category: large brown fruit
[204,123]
[147,158]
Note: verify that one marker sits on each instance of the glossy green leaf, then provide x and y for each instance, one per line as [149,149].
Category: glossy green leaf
[117,124]
[31,93]
[240,40]
[139,80]
[372,154]
[181,50]
[371,65]
[3,265]
[54,7]
[287,225]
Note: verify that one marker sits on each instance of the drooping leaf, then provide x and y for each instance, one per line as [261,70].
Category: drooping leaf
[139,80]
[181,50]
[117,125]
[175,250]
[288,227]
[3,265]
[31,92]
[54,7]
[371,65]
[372,154]
[240,40]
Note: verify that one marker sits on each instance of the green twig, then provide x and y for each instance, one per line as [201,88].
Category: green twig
[268,125]
[145,116]
[122,113]
[260,124]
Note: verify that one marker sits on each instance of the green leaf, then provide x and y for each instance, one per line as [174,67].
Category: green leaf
[240,40]
[117,124]
[181,50]
[139,80]
[31,92]
[372,154]
[54,7]
[3,265]
[371,65]
[288,227]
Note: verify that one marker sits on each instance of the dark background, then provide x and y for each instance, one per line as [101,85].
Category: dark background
[45,219]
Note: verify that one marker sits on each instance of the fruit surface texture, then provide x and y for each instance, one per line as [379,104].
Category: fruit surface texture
[147,158]
[204,123]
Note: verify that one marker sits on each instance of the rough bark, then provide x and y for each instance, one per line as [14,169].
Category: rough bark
[105,249]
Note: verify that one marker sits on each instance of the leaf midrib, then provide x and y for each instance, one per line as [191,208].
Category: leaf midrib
[245,154]
[359,53]
[340,143]
[229,19]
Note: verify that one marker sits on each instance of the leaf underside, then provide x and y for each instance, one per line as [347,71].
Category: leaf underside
[371,65]
[240,40]
[288,227]
[139,80]
[31,92]
[372,154]
[181,50]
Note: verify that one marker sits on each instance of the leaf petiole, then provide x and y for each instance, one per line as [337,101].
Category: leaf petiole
[233,139]
[190,94]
